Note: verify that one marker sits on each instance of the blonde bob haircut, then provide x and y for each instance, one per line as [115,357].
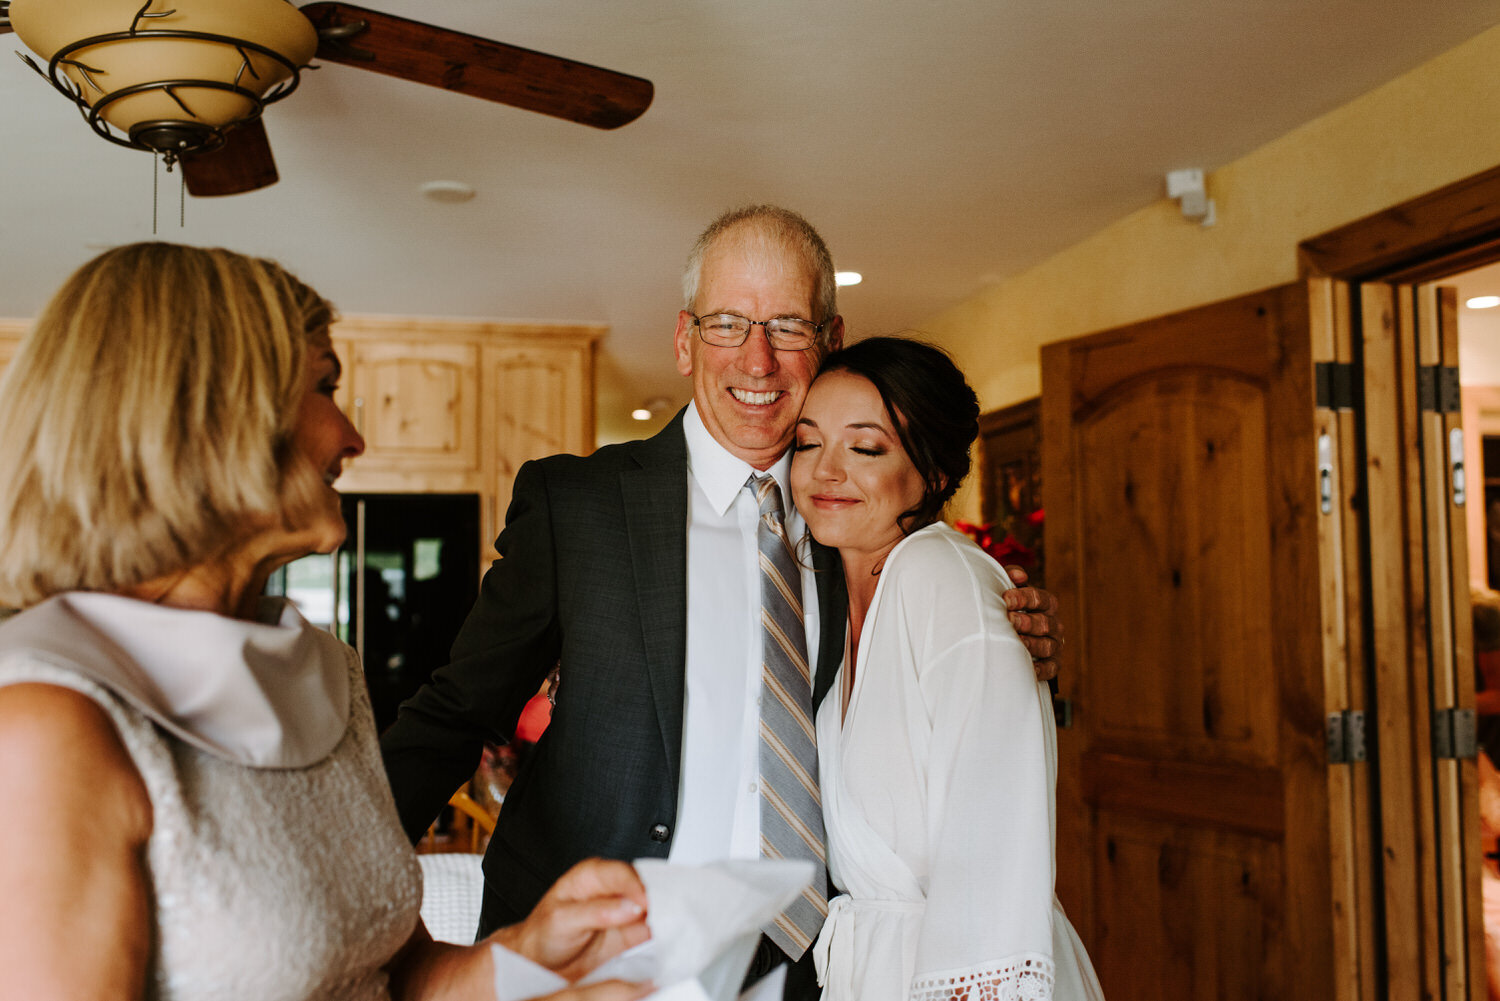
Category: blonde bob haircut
[145,423]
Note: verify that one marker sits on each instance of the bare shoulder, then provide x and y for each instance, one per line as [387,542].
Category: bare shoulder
[39,716]
[50,737]
[74,898]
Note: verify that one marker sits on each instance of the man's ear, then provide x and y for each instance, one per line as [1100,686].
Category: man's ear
[835,333]
[682,342]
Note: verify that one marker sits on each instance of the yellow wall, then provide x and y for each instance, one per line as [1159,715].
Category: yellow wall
[1428,128]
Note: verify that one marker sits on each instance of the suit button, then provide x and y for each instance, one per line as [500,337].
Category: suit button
[660,832]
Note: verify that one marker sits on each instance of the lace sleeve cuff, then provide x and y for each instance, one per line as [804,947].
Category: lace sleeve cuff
[1027,976]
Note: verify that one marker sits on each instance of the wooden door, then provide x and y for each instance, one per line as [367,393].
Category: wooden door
[1343,601]
[1421,638]
[1198,826]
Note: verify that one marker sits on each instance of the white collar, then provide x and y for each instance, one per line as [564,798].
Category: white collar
[720,473]
[268,694]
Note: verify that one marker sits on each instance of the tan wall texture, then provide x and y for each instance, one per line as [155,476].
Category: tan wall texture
[1425,129]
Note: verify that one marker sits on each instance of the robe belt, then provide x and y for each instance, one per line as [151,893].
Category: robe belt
[837,935]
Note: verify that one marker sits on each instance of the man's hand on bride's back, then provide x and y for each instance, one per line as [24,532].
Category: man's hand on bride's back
[594,912]
[1034,614]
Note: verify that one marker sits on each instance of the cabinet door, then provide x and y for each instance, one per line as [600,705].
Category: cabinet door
[417,405]
[538,402]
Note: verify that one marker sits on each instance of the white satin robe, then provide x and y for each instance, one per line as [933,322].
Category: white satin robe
[938,797]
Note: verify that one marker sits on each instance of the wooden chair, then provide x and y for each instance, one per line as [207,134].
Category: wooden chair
[481,822]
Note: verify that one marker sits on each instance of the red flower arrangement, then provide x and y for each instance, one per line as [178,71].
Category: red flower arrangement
[1008,550]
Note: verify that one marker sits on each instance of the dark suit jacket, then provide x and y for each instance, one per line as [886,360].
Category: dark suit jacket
[593,573]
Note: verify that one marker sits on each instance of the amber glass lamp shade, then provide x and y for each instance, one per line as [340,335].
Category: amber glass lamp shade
[198,65]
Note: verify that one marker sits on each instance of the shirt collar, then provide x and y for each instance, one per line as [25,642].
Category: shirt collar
[720,474]
[272,693]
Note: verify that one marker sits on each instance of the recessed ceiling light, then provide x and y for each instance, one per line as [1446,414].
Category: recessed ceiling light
[842,278]
[447,192]
[1483,302]
[652,407]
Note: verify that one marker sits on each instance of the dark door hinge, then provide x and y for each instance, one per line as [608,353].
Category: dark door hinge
[1335,385]
[1346,737]
[1454,734]
[1437,389]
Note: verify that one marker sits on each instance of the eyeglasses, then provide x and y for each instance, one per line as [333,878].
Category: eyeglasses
[786,333]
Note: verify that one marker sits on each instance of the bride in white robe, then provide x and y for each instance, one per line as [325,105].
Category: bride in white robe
[936,746]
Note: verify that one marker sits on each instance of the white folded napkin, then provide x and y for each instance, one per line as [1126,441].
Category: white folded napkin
[705,921]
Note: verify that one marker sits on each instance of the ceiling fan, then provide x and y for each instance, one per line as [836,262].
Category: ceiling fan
[188,79]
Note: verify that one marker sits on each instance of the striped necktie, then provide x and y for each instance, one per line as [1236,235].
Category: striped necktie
[791,811]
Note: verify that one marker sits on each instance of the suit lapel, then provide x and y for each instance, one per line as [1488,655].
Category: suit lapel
[655,495]
[833,616]
[655,503]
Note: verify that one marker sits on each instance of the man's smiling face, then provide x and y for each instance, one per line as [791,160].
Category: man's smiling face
[749,396]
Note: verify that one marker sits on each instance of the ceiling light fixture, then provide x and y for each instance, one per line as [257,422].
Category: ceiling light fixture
[171,81]
[1483,302]
[842,278]
[188,79]
[447,192]
[652,407]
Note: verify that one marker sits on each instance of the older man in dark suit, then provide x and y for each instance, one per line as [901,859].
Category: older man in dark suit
[637,568]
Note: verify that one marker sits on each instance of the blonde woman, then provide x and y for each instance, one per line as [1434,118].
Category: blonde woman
[193,797]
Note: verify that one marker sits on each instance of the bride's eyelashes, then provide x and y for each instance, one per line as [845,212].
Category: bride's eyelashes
[874,451]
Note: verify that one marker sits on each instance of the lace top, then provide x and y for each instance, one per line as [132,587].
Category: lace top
[269,883]
[1023,978]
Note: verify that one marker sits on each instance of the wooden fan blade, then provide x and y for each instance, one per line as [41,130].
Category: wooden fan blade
[478,67]
[242,164]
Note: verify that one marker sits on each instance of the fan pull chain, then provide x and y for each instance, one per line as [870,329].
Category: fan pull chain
[155,196]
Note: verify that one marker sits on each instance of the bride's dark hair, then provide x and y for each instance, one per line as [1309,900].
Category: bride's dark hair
[935,413]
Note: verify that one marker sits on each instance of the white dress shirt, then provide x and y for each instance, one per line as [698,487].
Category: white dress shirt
[718,806]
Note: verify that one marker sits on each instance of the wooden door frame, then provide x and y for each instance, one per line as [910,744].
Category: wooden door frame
[1450,230]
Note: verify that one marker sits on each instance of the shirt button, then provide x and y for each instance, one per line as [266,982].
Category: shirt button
[660,832]
[753,787]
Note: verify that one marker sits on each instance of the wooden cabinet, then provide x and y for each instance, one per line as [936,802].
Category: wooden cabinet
[417,404]
[539,402]
[457,406]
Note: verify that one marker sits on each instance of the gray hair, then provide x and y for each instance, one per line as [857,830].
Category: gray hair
[784,227]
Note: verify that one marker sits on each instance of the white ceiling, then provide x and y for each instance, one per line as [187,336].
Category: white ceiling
[938,144]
